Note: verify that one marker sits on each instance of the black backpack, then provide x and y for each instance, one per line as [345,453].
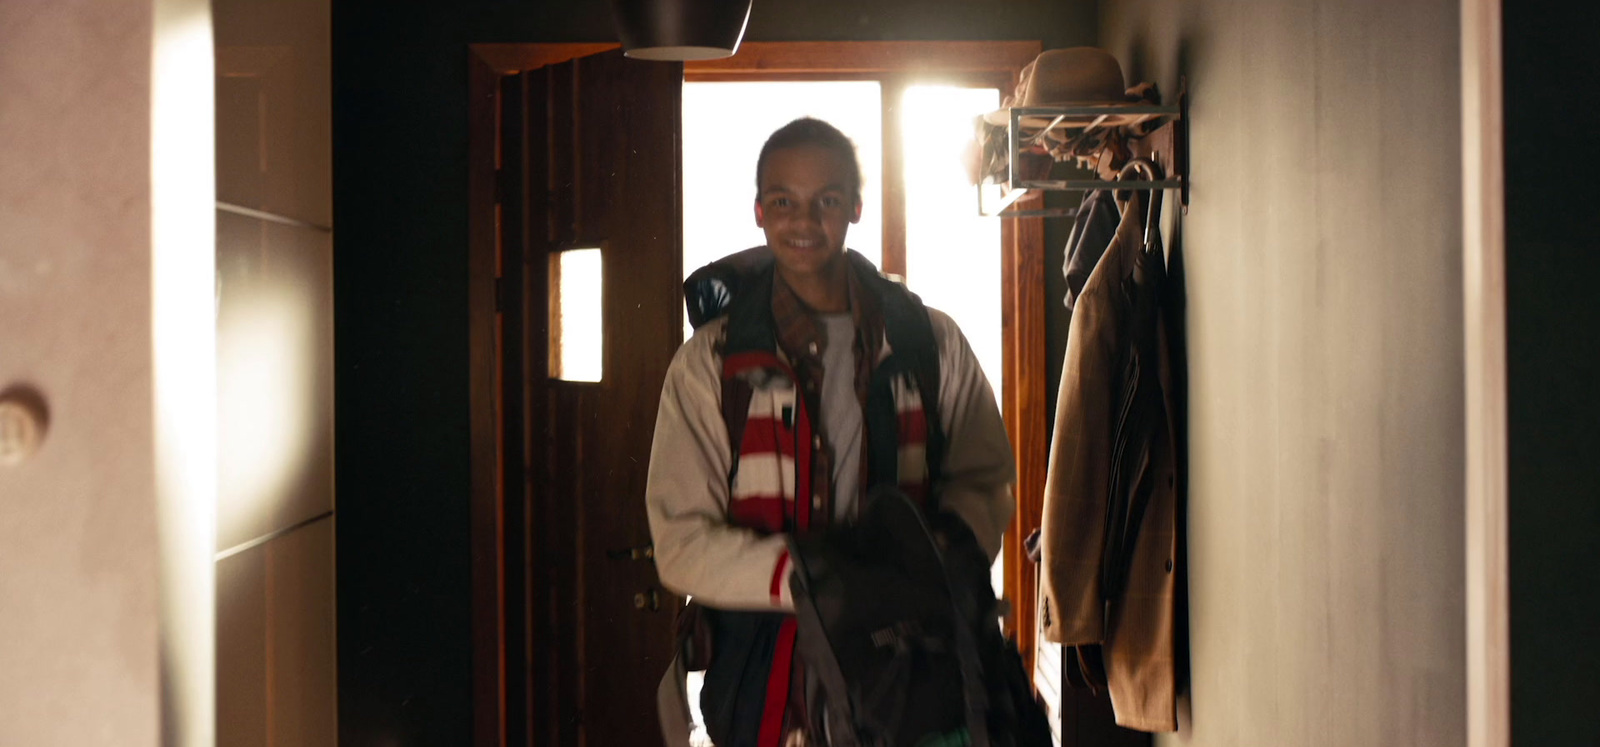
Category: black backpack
[900,637]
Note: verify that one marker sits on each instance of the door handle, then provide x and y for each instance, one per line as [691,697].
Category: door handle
[642,552]
[647,600]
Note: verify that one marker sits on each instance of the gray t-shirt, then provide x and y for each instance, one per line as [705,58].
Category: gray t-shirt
[841,412]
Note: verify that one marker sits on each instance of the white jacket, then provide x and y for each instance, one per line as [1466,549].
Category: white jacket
[698,553]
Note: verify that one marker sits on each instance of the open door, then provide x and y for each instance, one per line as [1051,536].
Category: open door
[589,226]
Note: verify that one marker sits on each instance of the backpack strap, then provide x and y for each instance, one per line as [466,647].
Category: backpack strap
[834,717]
[748,329]
[735,411]
[914,350]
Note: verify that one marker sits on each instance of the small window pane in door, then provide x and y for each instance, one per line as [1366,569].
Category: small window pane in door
[577,331]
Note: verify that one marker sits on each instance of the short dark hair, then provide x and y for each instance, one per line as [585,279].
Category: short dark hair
[809,131]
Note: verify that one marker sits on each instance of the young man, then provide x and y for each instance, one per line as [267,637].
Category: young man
[806,341]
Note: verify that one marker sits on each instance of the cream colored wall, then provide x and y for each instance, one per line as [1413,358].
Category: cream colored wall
[105,291]
[1323,251]
[276,683]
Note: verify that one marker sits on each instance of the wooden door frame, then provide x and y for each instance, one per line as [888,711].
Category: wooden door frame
[896,64]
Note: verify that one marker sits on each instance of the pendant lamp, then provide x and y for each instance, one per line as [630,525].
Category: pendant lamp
[680,29]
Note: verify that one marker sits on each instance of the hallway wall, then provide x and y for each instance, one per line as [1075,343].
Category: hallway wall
[105,294]
[1323,251]
[276,660]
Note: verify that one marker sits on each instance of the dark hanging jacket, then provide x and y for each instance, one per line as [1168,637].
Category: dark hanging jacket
[1092,230]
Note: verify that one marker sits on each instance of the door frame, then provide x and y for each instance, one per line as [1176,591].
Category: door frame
[1488,592]
[895,64]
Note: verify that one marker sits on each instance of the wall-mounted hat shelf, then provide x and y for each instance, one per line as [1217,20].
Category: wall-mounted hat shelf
[1162,143]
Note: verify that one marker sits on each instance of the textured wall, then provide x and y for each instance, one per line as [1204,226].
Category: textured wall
[1323,251]
[105,600]
[78,543]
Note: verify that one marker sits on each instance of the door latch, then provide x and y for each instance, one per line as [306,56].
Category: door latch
[642,552]
[647,600]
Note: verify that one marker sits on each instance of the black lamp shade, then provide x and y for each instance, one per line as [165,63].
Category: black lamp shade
[680,29]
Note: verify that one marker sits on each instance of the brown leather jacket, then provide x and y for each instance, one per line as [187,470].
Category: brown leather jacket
[1111,562]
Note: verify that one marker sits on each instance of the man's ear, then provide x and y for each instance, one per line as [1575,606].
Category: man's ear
[857,217]
[761,218]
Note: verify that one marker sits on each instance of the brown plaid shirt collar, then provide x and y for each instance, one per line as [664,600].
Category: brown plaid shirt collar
[803,338]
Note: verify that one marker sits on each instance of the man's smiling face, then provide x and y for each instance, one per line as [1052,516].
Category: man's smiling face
[806,204]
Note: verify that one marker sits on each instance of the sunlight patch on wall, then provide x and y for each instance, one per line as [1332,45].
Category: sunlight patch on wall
[267,342]
[183,280]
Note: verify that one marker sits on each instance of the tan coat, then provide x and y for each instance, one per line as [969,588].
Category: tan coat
[1110,575]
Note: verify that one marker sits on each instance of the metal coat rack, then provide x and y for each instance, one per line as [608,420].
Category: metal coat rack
[1165,145]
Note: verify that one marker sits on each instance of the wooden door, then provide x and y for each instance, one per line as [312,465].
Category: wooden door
[589,159]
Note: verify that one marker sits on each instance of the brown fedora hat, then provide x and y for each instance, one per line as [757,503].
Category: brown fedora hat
[1076,76]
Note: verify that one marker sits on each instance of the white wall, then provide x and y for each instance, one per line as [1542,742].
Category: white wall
[1323,251]
[105,296]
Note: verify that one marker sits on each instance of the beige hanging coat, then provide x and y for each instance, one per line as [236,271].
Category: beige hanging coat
[1110,550]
